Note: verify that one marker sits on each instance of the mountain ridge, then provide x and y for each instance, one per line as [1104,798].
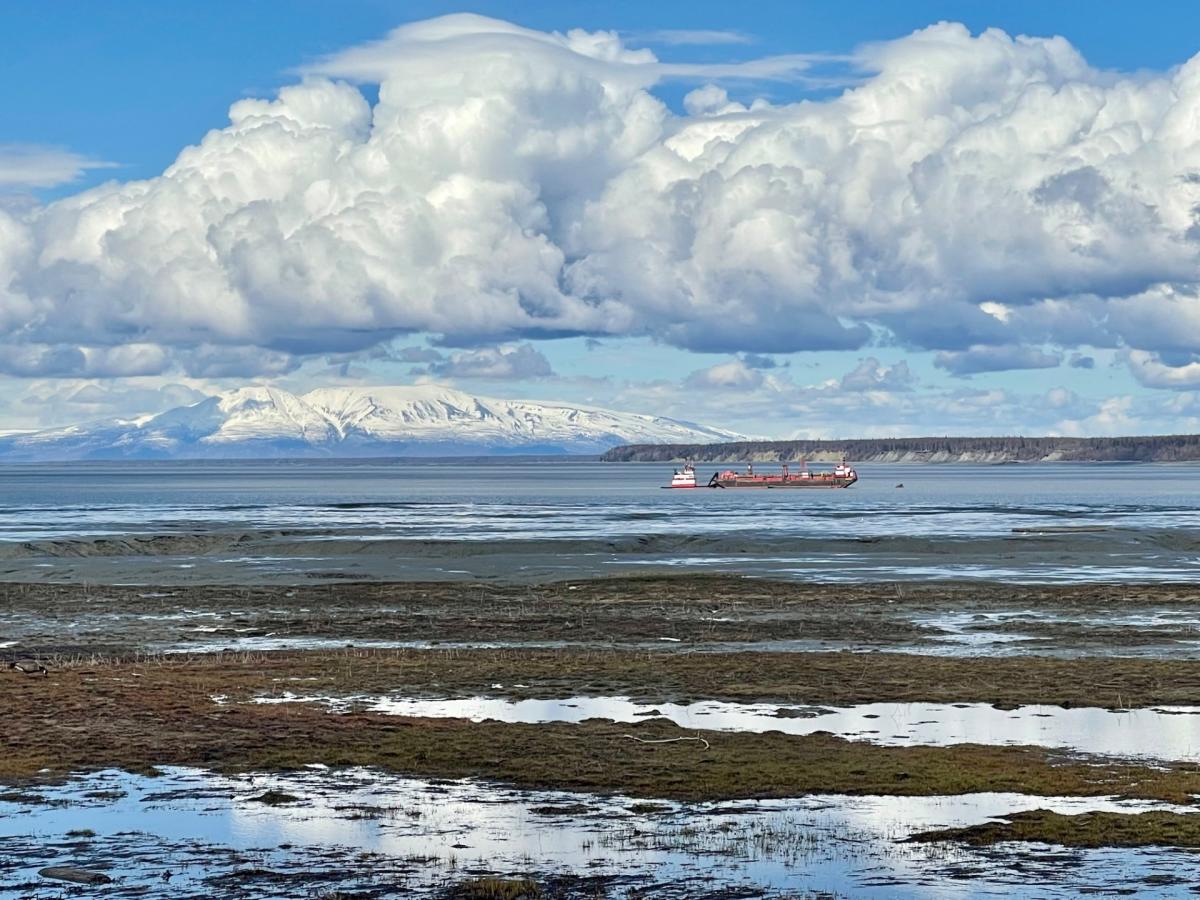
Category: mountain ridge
[406,420]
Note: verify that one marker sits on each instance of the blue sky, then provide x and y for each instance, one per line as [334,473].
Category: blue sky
[136,80]
[101,93]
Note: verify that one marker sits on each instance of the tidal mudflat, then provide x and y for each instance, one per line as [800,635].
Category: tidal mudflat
[367,833]
[695,612]
[687,736]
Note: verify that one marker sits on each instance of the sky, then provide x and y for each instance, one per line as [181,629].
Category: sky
[800,219]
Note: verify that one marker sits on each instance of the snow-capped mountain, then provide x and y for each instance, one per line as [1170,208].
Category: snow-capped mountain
[424,420]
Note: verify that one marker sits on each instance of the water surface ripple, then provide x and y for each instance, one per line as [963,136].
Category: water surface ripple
[526,519]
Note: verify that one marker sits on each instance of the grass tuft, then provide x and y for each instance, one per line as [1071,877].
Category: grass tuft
[489,888]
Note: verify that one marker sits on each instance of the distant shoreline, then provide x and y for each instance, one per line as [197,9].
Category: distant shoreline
[977,450]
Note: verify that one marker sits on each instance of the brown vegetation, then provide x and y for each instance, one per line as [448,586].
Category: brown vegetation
[1090,829]
[688,609]
[138,715]
[789,679]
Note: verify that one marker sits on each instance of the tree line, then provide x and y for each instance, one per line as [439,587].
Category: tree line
[1150,448]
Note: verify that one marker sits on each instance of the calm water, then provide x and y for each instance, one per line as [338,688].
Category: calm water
[208,835]
[445,519]
[1161,733]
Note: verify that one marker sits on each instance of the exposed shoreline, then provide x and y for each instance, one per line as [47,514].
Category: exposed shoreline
[114,698]
[714,613]
[139,714]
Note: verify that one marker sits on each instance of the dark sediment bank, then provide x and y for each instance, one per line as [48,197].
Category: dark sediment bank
[1045,547]
[682,612]
[313,542]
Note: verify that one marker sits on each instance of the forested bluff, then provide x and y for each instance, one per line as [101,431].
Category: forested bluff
[1151,448]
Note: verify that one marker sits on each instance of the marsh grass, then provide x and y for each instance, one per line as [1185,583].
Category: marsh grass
[138,715]
[1090,829]
[789,679]
[750,838]
[492,888]
[275,798]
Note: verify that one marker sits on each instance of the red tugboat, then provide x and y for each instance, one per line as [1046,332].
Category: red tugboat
[841,477]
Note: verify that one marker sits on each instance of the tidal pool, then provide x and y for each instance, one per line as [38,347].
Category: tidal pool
[1160,733]
[1153,630]
[189,833]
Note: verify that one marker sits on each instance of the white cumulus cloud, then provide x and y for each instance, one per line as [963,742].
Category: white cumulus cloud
[1151,371]
[512,185]
[519,361]
[736,374]
[870,375]
[982,358]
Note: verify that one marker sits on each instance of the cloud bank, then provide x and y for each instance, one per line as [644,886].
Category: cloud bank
[989,197]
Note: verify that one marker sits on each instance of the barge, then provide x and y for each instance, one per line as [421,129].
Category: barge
[842,476]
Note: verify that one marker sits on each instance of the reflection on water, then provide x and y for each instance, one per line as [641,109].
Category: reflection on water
[202,825]
[1161,733]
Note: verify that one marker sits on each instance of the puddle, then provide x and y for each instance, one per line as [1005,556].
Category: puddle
[975,630]
[365,830]
[971,629]
[1168,733]
[873,566]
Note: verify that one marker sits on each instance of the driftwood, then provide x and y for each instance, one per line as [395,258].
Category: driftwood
[74,875]
[666,740]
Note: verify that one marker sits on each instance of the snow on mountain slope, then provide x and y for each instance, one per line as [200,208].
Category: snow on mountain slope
[431,412]
[266,413]
[418,420]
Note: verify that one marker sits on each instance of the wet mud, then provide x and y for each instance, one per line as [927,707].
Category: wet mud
[695,611]
[936,693]
[531,545]
[363,833]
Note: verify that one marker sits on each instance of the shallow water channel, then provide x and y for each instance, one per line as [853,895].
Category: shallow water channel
[1161,733]
[189,833]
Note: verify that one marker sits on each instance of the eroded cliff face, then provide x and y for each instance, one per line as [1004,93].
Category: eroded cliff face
[977,450]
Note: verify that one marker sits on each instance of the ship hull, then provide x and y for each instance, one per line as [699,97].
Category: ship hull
[832,483]
[789,484]
[841,477]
